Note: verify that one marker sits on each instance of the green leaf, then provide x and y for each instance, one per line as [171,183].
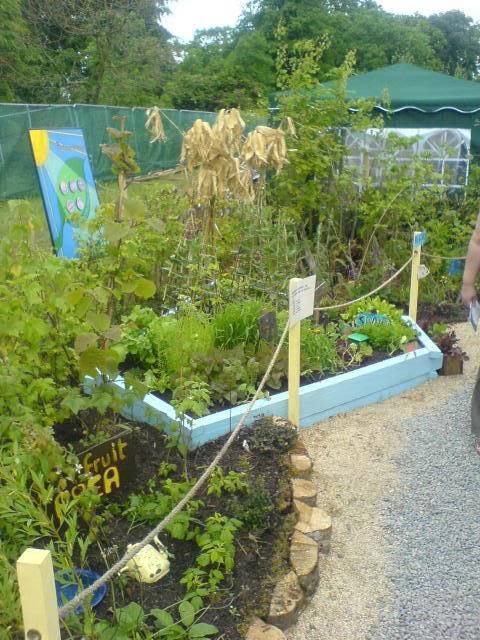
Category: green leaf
[174,632]
[197,603]
[106,632]
[135,209]
[83,306]
[130,617]
[162,618]
[202,630]
[145,288]
[101,295]
[116,231]
[187,613]
[114,333]
[76,295]
[74,401]
[84,341]
[128,286]
[93,358]
[99,321]
[131,380]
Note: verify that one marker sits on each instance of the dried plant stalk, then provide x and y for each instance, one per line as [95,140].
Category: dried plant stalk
[221,161]
[265,147]
[154,125]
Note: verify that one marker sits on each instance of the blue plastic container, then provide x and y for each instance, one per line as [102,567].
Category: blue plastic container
[67,582]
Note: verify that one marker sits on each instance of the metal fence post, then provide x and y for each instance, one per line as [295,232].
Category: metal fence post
[37,594]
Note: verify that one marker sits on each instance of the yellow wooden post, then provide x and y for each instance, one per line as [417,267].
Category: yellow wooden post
[294,335]
[418,239]
[37,595]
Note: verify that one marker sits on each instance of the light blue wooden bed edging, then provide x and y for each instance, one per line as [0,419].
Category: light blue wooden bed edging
[318,401]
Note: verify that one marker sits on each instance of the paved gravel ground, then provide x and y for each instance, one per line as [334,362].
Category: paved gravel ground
[401,481]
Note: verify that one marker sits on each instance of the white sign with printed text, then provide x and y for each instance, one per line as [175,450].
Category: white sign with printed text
[301,299]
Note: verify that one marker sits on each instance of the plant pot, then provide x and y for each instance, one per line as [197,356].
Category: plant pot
[452,366]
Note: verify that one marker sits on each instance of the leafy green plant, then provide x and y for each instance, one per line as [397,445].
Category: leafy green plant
[382,337]
[155,505]
[186,627]
[318,348]
[128,624]
[372,305]
[232,482]
[192,397]
[237,324]
[389,337]
[254,509]
[217,557]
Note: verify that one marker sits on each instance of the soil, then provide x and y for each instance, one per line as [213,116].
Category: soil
[259,554]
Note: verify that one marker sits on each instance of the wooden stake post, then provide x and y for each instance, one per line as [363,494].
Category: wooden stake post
[419,238]
[294,336]
[38,596]
[301,300]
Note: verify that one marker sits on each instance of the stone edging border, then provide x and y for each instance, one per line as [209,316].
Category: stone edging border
[310,541]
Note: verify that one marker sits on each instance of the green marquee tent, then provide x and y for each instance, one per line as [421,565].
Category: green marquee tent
[420,98]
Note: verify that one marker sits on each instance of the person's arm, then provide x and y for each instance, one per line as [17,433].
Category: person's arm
[472,266]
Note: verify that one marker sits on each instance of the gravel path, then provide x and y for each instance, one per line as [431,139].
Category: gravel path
[401,481]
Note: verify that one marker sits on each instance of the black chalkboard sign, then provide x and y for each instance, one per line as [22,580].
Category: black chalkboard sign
[106,467]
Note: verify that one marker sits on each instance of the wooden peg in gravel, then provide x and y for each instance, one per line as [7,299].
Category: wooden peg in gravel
[259,630]
[301,466]
[305,491]
[286,601]
[304,561]
[312,521]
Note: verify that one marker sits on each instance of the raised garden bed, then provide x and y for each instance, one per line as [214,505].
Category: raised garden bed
[318,401]
[263,505]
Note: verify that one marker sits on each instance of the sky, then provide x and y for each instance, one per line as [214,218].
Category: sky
[189,15]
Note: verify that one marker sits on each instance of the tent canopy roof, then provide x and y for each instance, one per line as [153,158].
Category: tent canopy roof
[410,86]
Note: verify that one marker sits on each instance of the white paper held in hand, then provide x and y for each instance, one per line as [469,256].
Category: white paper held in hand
[474,316]
[301,299]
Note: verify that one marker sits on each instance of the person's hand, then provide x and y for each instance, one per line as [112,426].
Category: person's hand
[468,294]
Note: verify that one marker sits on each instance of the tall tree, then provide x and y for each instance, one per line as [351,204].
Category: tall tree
[460,51]
[15,55]
[101,51]
[223,68]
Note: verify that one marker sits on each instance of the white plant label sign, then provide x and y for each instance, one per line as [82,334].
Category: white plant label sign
[423,271]
[301,299]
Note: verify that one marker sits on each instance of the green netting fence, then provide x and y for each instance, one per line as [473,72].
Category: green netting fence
[17,171]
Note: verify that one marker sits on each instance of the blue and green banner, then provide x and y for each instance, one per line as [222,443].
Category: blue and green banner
[67,184]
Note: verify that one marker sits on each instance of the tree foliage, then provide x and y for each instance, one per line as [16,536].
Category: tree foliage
[117,52]
[93,51]
[236,67]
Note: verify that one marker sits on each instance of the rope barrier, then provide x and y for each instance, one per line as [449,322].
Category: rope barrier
[129,555]
[431,255]
[367,295]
